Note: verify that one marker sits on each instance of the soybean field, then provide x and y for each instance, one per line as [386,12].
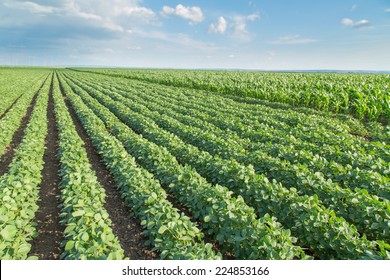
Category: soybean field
[184,164]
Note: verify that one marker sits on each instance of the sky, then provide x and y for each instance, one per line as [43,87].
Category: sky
[224,34]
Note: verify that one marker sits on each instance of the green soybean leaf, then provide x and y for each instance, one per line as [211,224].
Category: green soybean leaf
[162,229]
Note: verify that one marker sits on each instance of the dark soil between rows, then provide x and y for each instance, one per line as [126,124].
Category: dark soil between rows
[50,230]
[7,157]
[126,227]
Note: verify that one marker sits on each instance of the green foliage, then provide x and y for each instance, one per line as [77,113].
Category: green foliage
[169,232]
[362,96]
[19,188]
[13,119]
[229,219]
[306,217]
[88,233]
[262,174]
[16,82]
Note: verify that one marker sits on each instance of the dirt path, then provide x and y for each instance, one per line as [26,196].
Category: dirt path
[47,244]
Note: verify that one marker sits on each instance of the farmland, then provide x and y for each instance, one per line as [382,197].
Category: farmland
[169,164]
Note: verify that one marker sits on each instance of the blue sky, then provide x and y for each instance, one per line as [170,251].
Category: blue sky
[256,34]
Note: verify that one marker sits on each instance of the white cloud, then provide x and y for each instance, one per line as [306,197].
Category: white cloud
[387,10]
[194,14]
[132,9]
[236,28]
[112,26]
[231,56]
[137,11]
[31,7]
[253,17]
[219,27]
[358,24]
[114,16]
[108,13]
[347,22]
[293,40]
[166,11]
[87,15]
[354,7]
[71,8]
[240,30]
[240,26]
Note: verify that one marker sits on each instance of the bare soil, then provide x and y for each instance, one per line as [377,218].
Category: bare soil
[50,231]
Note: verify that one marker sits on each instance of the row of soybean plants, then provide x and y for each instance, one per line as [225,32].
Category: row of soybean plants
[371,176]
[19,187]
[14,83]
[224,217]
[352,205]
[253,187]
[20,192]
[227,124]
[309,128]
[13,119]
[363,96]
[88,233]
[366,178]
[322,135]
[170,232]
[351,158]
[374,129]
[363,177]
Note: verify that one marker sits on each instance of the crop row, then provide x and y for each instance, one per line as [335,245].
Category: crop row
[307,220]
[348,176]
[19,188]
[225,125]
[363,96]
[14,83]
[352,205]
[88,233]
[232,223]
[13,119]
[168,231]
[275,127]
